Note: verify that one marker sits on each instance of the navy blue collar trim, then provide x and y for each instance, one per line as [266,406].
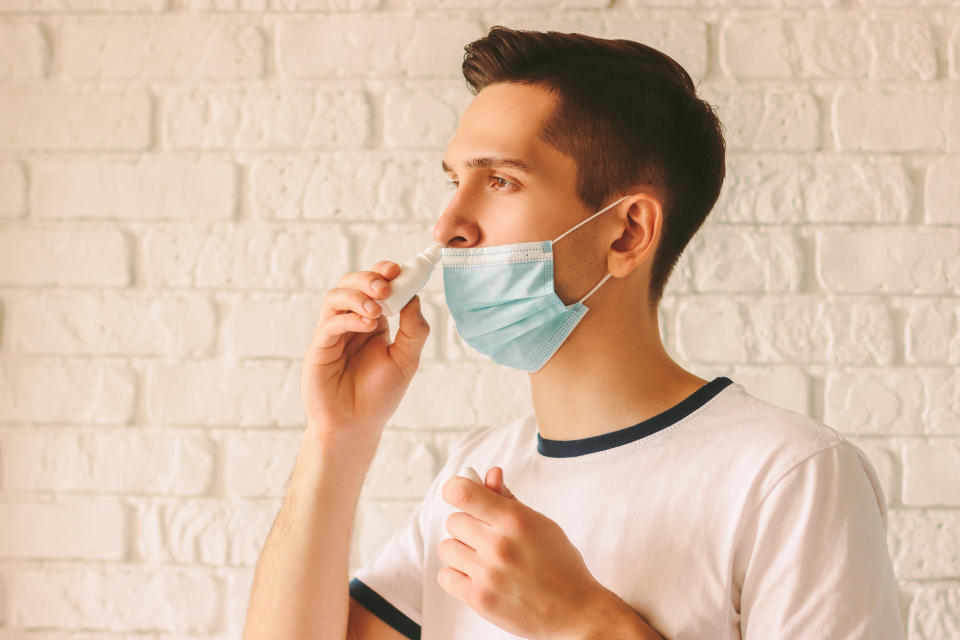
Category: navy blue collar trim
[581,446]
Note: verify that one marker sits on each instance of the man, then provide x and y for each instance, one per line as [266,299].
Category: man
[643,501]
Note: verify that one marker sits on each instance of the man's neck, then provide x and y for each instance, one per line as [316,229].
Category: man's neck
[611,373]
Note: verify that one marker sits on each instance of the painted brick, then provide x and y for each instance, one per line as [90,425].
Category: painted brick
[880,50]
[245,257]
[775,330]
[942,192]
[107,461]
[774,188]
[368,188]
[13,190]
[56,119]
[64,256]
[115,598]
[24,52]
[22,6]
[745,259]
[154,188]
[931,474]
[63,530]
[422,118]
[191,48]
[872,119]
[933,332]
[100,323]
[923,543]
[258,465]
[350,44]
[203,531]
[218,393]
[935,612]
[265,119]
[41,391]
[893,259]
[875,402]
[773,119]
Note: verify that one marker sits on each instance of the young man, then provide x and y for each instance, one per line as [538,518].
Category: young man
[643,501]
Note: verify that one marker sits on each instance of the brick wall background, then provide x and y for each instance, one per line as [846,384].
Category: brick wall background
[181,181]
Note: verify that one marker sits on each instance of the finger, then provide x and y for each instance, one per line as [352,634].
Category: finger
[461,557]
[411,335]
[375,283]
[479,501]
[329,334]
[343,311]
[494,480]
[339,300]
[387,269]
[467,529]
[456,583]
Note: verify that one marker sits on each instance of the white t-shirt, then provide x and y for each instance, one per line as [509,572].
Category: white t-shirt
[722,517]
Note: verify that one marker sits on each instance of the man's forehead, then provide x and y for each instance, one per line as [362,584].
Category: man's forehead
[500,128]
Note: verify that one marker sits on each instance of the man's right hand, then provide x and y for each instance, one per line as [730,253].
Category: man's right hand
[352,378]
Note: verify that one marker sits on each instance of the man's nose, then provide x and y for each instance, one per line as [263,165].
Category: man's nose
[454,228]
[452,236]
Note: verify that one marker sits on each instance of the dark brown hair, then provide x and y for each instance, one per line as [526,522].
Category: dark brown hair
[627,114]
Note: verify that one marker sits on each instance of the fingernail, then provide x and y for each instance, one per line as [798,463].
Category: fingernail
[378,285]
[370,306]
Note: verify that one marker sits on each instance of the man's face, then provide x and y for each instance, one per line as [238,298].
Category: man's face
[501,203]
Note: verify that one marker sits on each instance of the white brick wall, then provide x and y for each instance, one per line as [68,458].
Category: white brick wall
[182,180]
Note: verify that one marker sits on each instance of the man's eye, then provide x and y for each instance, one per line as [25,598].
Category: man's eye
[499,182]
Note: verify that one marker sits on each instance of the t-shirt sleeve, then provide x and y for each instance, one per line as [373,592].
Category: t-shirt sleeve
[390,583]
[813,561]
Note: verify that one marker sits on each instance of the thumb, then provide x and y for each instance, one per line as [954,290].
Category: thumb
[411,335]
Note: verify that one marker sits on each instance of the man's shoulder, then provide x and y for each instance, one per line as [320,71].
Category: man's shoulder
[761,439]
[752,421]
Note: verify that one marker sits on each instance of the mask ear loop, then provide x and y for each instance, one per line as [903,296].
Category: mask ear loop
[580,224]
[604,279]
[575,227]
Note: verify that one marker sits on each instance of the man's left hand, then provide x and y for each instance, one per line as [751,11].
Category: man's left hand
[514,566]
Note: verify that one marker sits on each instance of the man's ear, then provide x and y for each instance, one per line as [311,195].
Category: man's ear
[640,236]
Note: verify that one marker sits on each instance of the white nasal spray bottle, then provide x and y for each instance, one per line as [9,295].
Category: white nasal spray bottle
[470,474]
[413,276]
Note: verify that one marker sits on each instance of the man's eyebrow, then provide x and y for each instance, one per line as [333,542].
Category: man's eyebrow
[491,162]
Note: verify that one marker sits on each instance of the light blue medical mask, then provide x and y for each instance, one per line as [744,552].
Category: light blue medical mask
[503,301]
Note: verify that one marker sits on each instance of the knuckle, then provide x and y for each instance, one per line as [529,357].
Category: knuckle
[330,297]
[346,278]
[360,298]
[516,524]
[454,491]
[484,597]
[503,549]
